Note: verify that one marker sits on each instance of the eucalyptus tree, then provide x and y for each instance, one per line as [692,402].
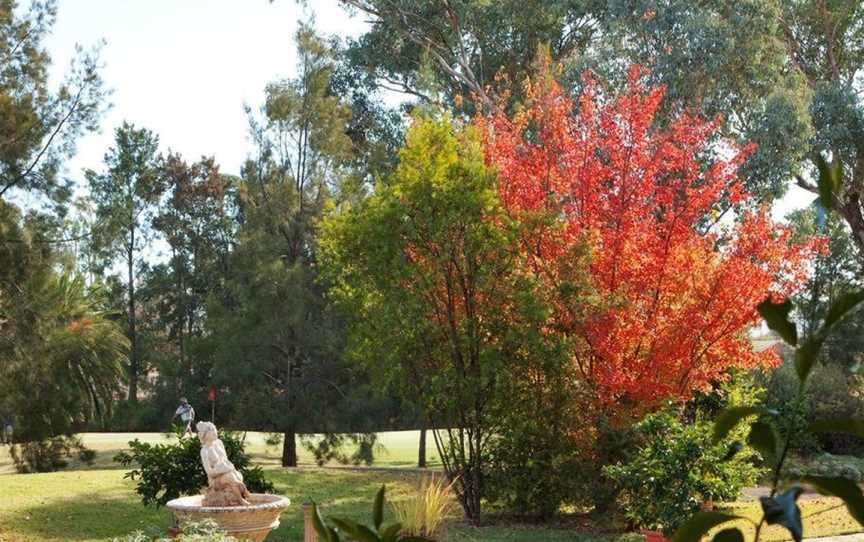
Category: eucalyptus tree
[834,272]
[785,74]
[455,51]
[126,195]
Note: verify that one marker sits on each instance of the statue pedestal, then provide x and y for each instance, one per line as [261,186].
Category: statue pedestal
[251,522]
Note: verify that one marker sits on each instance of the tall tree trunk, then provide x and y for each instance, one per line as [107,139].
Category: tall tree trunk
[289,447]
[421,456]
[133,336]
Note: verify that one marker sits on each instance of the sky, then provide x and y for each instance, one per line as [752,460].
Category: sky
[185,68]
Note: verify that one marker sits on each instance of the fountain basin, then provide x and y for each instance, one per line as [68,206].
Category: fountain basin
[251,522]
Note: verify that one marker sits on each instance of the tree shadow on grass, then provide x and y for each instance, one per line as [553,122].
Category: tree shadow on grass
[104,460]
[87,517]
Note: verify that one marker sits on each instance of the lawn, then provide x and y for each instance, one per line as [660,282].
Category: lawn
[398,449]
[96,503]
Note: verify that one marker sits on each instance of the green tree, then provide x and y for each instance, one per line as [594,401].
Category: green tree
[458,48]
[272,329]
[835,272]
[195,221]
[61,354]
[126,194]
[39,126]
[426,269]
[784,74]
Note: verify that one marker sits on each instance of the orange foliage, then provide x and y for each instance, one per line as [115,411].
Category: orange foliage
[680,291]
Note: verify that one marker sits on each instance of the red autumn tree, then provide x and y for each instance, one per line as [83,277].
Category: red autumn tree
[679,287]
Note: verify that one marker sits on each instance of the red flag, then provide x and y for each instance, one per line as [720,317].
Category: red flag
[211,395]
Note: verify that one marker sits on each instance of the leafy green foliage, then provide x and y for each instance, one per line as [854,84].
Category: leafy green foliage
[270,326]
[426,270]
[40,124]
[428,49]
[835,273]
[167,471]
[782,509]
[730,417]
[49,455]
[360,532]
[675,468]
[776,315]
[204,531]
[62,352]
[829,181]
[125,195]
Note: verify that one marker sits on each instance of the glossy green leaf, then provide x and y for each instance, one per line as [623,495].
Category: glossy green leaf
[829,181]
[729,535]
[848,426]
[763,438]
[783,510]
[346,526]
[321,529]
[842,306]
[732,451]
[699,524]
[776,315]
[805,357]
[365,534]
[378,509]
[391,533]
[729,418]
[847,490]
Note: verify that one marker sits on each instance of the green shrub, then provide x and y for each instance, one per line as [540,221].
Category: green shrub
[831,466]
[356,531]
[167,471]
[781,395]
[832,393]
[532,470]
[49,455]
[674,469]
[835,394]
[205,531]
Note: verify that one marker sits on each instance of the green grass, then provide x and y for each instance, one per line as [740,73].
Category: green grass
[90,503]
[822,516]
[95,503]
[398,449]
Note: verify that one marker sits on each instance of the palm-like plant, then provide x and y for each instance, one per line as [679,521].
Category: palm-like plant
[86,348]
[68,360]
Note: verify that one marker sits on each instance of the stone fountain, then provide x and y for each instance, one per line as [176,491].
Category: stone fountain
[226,501]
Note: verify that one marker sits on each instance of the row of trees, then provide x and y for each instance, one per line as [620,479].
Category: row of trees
[545,245]
[235,303]
[565,259]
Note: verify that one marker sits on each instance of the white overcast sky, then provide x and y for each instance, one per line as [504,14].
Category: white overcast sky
[184,68]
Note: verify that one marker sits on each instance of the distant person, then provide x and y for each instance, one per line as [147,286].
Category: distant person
[7,431]
[186,414]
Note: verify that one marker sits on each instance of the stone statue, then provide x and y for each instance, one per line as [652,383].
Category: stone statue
[225,484]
